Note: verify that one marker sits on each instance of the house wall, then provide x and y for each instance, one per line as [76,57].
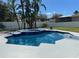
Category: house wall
[65,19]
[75,18]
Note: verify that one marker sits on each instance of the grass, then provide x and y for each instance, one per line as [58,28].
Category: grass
[73,29]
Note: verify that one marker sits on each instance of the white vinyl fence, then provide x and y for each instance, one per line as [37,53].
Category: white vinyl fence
[67,24]
[11,25]
[14,25]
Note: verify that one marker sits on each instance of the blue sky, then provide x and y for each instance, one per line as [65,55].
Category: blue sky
[65,7]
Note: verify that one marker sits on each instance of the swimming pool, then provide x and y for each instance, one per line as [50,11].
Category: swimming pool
[35,38]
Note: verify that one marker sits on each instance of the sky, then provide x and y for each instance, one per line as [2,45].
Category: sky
[65,7]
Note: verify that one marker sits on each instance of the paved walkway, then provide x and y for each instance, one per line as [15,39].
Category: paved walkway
[65,48]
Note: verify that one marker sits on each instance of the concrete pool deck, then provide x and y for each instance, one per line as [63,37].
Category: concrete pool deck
[65,48]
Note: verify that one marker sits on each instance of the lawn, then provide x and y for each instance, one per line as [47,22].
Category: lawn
[73,29]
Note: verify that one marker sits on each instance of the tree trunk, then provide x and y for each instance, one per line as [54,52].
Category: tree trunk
[35,24]
[18,23]
[24,25]
[16,19]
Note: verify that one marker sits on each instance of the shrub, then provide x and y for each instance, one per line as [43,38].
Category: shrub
[44,25]
[2,26]
[51,27]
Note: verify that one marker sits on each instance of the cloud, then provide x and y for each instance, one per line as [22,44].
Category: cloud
[49,14]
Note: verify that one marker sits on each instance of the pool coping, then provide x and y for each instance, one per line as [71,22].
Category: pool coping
[3,36]
[65,48]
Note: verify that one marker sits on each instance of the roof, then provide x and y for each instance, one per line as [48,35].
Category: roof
[74,16]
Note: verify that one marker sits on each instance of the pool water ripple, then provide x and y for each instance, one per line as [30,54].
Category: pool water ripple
[35,40]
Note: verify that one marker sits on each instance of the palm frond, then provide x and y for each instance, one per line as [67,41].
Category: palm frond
[19,6]
[43,6]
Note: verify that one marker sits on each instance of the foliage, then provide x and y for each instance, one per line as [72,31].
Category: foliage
[44,25]
[56,16]
[29,11]
[5,14]
[2,26]
[36,6]
[76,12]
[43,17]
[12,7]
[51,27]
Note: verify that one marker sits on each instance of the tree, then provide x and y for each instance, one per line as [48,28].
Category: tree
[25,12]
[56,16]
[12,8]
[4,12]
[43,17]
[30,10]
[36,4]
[76,12]
[22,12]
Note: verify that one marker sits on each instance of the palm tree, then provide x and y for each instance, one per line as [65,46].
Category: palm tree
[25,11]
[12,7]
[36,6]
[30,10]
[21,12]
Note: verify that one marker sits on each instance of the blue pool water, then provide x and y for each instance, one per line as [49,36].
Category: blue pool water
[35,38]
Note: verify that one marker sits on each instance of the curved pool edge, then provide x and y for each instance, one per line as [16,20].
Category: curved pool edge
[18,32]
[66,48]
[73,33]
